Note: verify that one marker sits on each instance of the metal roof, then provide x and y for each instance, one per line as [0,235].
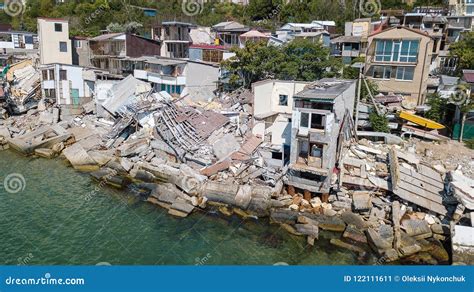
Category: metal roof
[325,89]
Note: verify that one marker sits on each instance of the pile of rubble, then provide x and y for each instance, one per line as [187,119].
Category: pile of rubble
[184,158]
[22,87]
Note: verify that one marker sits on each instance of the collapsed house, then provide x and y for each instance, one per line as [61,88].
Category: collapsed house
[22,87]
[321,122]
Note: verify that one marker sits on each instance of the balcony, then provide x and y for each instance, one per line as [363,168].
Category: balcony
[351,53]
[159,78]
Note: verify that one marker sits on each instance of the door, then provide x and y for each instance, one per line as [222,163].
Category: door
[75,96]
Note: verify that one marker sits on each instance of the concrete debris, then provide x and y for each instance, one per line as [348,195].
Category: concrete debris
[44,137]
[395,197]
[463,245]
[462,188]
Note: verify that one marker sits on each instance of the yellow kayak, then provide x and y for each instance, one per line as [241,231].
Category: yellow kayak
[424,122]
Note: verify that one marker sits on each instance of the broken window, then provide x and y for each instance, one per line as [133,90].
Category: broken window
[5,37]
[316,150]
[283,100]
[317,122]
[315,158]
[303,151]
[277,155]
[62,75]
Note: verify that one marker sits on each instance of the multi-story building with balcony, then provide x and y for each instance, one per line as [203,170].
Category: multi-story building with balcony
[175,38]
[398,61]
[176,76]
[228,33]
[461,7]
[107,50]
[321,117]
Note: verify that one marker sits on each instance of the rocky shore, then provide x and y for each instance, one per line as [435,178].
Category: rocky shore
[384,199]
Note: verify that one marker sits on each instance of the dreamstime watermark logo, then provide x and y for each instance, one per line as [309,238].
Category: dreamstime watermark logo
[192,7]
[24,261]
[14,183]
[13,7]
[202,261]
[101,9]
[460,97]
[100,186]
[370,7]
[103,264]
[281,264]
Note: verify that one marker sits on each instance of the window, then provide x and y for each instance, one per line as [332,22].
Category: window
[5,37]
[212,56]
[77,44]
[51,74]
[58,27]
[45,74]
[304,123]
[382,72]
[50,93]
[277,155]
[283,100]
[396,51]
[317,121]
[316,150]
[63,47]
[62,75]
[405,73]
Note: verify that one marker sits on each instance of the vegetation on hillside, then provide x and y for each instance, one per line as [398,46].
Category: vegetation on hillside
[90,17]
[463,49]
[298,60]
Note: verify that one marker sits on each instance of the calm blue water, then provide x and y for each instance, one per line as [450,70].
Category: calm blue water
[59,219]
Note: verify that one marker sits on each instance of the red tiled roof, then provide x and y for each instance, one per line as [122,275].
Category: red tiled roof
[468,76]
[206,46]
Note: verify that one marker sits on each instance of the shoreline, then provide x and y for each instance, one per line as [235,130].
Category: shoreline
[181,191]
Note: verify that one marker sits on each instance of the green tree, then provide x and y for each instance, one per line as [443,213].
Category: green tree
[464,50]
[437,105]
[378,122]
[298,60]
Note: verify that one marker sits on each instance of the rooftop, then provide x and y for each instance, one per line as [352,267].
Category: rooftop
[347,39]
[327,88]
[159,61]
[468,76]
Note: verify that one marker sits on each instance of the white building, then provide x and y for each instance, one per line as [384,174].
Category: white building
[67,85]
[178,77]
[273,108]
[54,42]
[11,40]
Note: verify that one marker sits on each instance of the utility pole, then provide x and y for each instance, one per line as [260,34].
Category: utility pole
[358,100]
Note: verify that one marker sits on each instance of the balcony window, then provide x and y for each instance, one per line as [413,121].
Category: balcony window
[396,51]
[405,73]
